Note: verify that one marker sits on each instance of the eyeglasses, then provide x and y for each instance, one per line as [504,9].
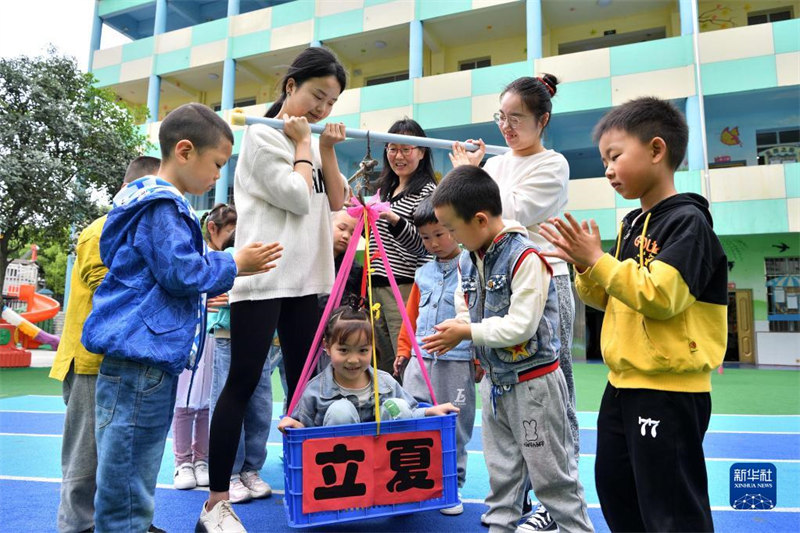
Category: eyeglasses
[512,122]
[406,150]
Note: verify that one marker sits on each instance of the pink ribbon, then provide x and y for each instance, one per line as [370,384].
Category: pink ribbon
[371,210]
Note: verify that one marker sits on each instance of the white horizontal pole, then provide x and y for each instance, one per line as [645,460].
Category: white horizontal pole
[239,119]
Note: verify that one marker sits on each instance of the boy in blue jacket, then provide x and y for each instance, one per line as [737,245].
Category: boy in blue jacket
[147,315]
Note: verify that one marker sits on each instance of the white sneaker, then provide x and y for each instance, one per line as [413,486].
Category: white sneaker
[184,477]
[257,486]
[237,492]
[221,519]
[201,473]
[455,510]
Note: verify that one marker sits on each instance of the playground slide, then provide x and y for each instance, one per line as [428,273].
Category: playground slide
[40,308]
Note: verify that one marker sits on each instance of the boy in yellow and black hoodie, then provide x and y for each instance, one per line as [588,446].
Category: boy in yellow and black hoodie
[663,288]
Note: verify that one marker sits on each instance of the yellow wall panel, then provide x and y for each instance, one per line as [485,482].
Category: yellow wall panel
[250,22]
[762,182]
[484,107]
[174,40]
[590,193]
[332,7]
[107,57]
[576,67]
[736,43]
[788,68]
[444,87]
[205,54]
[793,210]
[296,34]
[136,70]
[382,119]
[389,14]
[667,83]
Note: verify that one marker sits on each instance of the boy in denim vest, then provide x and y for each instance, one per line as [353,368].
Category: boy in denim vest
[431,302]
[506,304]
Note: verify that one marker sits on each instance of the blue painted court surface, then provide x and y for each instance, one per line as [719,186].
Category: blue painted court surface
[30,472]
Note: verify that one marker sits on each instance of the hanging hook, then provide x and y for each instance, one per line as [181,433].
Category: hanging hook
[365,168]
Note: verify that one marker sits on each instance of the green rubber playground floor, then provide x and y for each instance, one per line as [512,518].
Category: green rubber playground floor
[735,391]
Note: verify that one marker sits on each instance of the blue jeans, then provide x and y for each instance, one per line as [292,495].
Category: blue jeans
[252,451]
[133,414]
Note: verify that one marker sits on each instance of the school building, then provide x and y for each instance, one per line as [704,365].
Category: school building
[733,66]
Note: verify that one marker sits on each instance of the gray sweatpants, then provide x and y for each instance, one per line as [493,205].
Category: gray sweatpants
[566,319]
[530,433]
[452,381]
[78,454]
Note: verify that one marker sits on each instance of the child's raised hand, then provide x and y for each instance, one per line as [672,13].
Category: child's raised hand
[333,134]
[400,363]
[288,422]
[574,242]
[257,258]
[448,334]
[296,128]
[459,156]
[441,409]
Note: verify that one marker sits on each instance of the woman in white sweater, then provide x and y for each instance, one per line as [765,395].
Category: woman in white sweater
[533,187]
[286,185]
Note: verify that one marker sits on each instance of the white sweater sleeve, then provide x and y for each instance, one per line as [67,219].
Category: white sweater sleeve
[528,297]
[539,194]
[267,171]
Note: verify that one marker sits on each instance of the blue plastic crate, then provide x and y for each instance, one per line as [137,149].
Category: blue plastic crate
[293,441]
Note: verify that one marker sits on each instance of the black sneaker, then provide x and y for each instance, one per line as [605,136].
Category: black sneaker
[154,529]
[538,521]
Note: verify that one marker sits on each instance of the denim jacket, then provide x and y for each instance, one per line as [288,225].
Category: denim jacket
[150,306]
[437,283]
[323,390]
[492,297]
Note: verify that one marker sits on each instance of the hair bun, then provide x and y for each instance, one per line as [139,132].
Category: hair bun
[549,81]
[356,303]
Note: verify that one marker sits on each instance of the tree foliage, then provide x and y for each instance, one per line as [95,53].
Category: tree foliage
[64,147]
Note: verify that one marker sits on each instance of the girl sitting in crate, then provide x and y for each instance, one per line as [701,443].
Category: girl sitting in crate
[344,392]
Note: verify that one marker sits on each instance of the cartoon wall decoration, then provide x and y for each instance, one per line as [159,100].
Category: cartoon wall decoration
[730,136]
[717,18]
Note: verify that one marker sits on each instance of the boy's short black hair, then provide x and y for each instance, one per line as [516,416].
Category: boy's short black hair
[142,166]
[425,213]
[468,190]
[193,122]
[646,118]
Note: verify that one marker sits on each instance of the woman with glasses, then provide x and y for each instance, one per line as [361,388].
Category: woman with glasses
[533,187]
[406,180]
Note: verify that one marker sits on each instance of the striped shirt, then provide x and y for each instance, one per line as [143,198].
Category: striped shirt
[402,241]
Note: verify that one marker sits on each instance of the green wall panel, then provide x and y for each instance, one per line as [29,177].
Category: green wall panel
[107,75]
[580,95]
[387,95]
[791,172]
[172,61]
[689,181]
[606,220]
[216,30]
[750,217]
[651,55]
[492,80]
[352,120]
[292,12]
[739,75]
[346,23]
[249,44]
[120,6]
[622,203]
[444,113]
[786,36]
[428,9]
[138,49]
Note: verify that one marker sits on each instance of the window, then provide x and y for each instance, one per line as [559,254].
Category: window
[386,78]
[783,293]
[778,146]
[771,15]
[471,64]
[244,102]
[202,202]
